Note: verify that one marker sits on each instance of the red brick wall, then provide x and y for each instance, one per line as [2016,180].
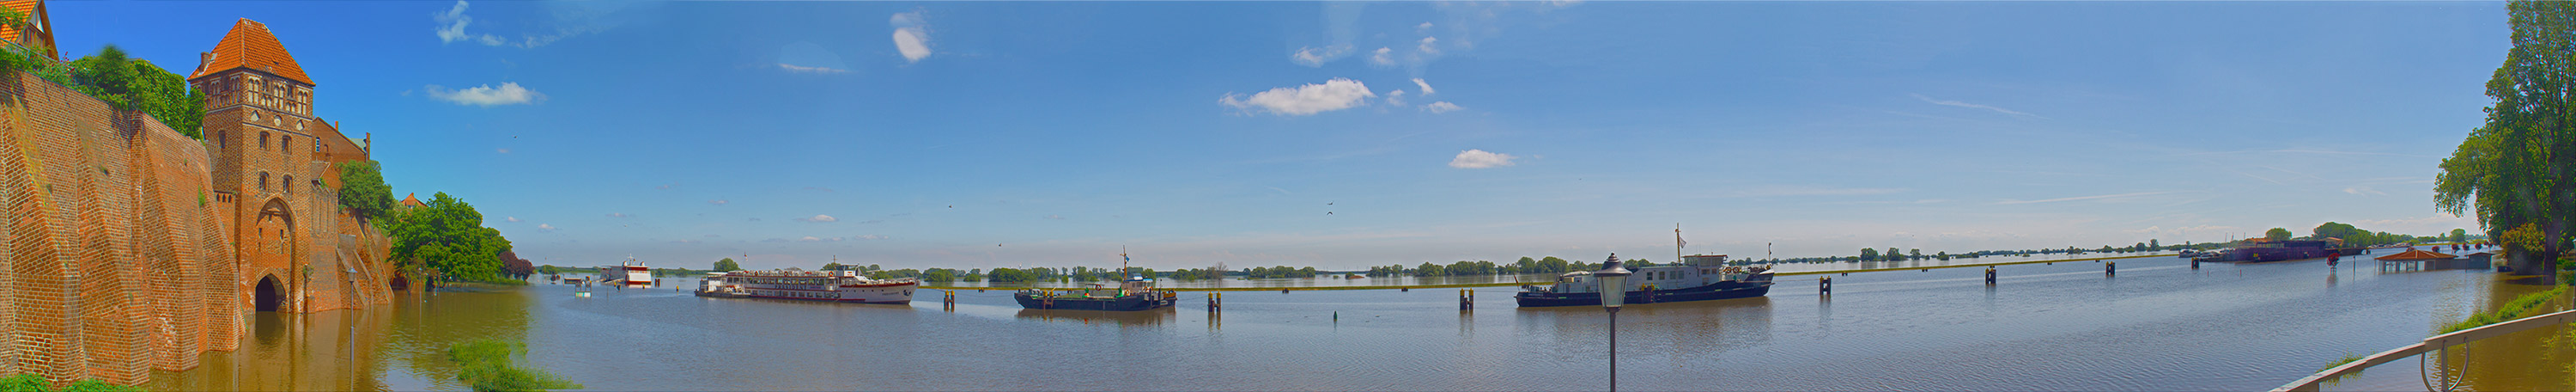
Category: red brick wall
[121,245]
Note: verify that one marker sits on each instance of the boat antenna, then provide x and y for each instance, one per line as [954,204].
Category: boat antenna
[1122,262]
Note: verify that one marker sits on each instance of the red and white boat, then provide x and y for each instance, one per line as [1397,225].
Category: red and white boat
[835,286]
[629,273]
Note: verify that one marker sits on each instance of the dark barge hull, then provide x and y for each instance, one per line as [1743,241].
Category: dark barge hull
[1754,286]
[1118,304]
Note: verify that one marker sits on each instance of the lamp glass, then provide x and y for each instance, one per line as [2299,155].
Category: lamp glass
[1614,288]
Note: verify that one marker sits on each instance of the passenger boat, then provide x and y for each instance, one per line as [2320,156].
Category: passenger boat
[1698,278]
[833,286]
[629,273]
[2261,250]
[1136,293]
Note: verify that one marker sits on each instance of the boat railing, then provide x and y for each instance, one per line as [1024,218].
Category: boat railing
[2437,346]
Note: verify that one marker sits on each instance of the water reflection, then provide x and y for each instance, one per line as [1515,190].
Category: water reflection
[397,347]
[1136,318]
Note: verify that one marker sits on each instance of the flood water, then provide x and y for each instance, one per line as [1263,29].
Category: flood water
[2157,325]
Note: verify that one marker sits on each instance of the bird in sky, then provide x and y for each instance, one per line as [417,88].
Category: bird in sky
[1328,212]
[1328,203]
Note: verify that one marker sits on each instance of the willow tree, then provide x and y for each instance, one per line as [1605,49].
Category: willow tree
[2512,170]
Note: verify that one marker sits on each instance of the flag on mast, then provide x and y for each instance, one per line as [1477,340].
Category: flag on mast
[1677,238]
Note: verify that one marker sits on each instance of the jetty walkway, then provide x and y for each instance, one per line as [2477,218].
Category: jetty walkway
[1516,284]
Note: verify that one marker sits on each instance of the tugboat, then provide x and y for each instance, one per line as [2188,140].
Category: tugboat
[1137,293]
[1701,278]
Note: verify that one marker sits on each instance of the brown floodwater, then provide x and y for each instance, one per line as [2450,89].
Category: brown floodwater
[2157,325]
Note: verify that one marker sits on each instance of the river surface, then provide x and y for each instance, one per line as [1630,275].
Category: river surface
[2158,325]
[1341,279]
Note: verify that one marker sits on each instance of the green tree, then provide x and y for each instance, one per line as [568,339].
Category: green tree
[136,84]
[363,189]
[1893,255]
[2512,171]
[1914,254]
[2459,235]
[446,236]
[1868,254]
[2277,234]
[727,265]
[2153,245]
[834,267]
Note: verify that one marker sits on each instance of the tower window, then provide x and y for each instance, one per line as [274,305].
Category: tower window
[287,186]
[263,140]
[285,140]
[263,181]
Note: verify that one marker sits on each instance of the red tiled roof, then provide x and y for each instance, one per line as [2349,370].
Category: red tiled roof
[250,45]
[412,200]
[2417,255]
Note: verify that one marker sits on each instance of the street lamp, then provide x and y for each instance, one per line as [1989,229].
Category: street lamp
[1614,292]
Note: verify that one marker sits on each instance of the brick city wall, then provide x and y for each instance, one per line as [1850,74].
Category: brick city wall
[115,258]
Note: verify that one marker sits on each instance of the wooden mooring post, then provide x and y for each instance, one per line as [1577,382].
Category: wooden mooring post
[1216,302]
[1990,276]
[2110,268]
[1825,285]
[1466,299]
[948,299]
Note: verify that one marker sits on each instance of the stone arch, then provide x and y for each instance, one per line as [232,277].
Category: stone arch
[399,283]
[268,295]
[276,208]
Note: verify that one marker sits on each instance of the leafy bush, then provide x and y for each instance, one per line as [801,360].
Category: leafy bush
[34,383]
[486,365]
[2518,308]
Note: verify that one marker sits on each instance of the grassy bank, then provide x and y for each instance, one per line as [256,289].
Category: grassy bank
[34,383]
[488,366]
[2525,306]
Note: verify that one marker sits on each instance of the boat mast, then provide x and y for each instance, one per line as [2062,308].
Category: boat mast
[1677,243]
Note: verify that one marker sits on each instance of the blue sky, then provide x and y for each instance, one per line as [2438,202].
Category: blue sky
[1342,135]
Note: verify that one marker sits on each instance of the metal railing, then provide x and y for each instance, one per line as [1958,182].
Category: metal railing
[2437,344]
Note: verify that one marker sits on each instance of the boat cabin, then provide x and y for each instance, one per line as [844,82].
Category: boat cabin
[1697,270]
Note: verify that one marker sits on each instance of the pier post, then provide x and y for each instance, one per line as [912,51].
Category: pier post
[1216,302]
[2195,263]
[2110,268]
[1466,299]
[1990,276]
[1825,285]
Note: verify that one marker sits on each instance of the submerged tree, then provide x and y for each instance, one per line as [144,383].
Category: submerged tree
[2513,170]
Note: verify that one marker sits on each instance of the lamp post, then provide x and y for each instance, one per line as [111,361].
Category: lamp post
[1614,291]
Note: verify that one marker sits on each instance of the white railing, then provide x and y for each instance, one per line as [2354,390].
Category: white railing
[2432,344]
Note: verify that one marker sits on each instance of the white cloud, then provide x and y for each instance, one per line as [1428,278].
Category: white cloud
[1426,87]
[1395,97]
[1441,107]
[1479,159]
[870,237]
[1336,94]
[2363,190]
[545,227]
[1806,190]
[809,239]
[805,69]
[1316,57]
[485,95]
[1424,28]
[1383,56]
[820,219]
[452,23]
[1972,106]
[1426,46]
[502,150]
[1055,217]
[719,201]
[452,26]
[618,215]
[511,219]
[911,36]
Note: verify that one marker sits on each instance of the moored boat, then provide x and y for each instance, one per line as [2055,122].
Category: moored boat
[1701,278]
[2261,250]
[832,286]
[1136,293]
[629,273]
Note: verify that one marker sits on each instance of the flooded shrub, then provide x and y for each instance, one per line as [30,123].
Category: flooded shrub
[34,383]
[487,365]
